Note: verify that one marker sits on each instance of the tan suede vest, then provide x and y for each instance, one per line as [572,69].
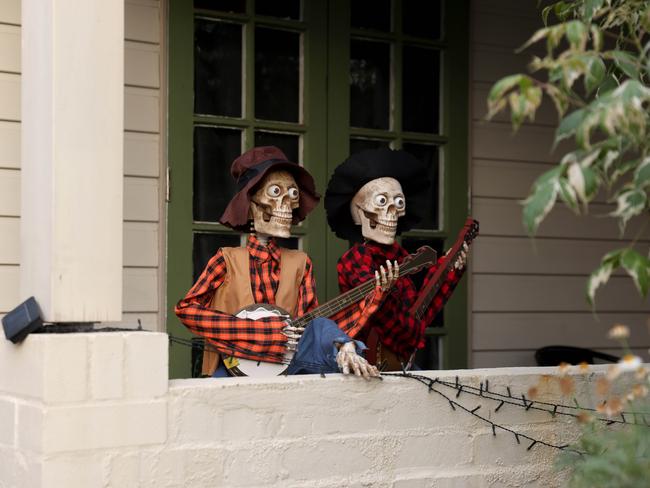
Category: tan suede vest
[235,292]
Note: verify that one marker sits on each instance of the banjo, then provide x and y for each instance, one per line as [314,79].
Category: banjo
[425,256]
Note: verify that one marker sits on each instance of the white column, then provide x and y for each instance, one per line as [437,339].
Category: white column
[72,138]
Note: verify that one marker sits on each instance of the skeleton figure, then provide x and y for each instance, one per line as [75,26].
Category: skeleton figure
[273,194]
[375,195]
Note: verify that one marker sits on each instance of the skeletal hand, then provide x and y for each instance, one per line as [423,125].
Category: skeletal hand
[348,359]
[293,335]
[461,260]
[386,279]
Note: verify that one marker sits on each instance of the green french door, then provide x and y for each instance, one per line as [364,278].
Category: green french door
[319,79]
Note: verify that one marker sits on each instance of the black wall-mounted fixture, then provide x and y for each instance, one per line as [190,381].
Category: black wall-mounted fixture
[22,320]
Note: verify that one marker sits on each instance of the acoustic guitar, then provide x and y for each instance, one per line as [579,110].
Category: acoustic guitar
[425,256]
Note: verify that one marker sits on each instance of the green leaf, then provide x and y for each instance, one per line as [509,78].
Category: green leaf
[503,85]
[601,275]
[569,124]
[642,174]
[622,168]
[577,180]
[609,83]
[638,267]
[629,203]
[576,33]
[545,12]
[626,62]
[541,201]
[568,194]
[596,37]
[592,182]
[595,73]
[498,90]
[590,8]
[537,36]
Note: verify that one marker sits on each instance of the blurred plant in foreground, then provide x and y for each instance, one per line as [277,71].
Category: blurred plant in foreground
[605,44]
[616,456]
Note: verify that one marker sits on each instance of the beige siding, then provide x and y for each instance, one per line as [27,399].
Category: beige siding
[527,294]
[142,160]
[9,144]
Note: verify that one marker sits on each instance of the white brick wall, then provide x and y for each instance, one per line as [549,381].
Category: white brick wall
[100,412]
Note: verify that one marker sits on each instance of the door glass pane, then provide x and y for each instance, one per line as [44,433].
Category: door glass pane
[235,6]
[369,84]
[370,14]
[422,19]
[289,242]
[217,68]
[357,144]
[421,90]
[290,144]
[214,151]
[284,9]
[430,356]
[206,245]
[429,155]
[277,75]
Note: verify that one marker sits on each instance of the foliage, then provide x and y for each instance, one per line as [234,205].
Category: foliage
[596,71]
[616,459]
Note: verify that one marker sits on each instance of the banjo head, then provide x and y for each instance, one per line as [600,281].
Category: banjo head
[248,367]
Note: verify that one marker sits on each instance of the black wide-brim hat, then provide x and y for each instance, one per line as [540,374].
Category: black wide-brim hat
[365,166]
[249,169]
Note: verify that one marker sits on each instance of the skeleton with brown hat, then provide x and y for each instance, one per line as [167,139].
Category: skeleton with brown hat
[273,193]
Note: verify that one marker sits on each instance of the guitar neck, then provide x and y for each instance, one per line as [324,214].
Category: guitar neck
[467,234]
[425,257]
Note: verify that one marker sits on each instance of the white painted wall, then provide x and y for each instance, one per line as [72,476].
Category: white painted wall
[97,410]
[143,231]
[527,294]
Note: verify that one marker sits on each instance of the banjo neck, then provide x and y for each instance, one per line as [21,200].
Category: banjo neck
[425,256]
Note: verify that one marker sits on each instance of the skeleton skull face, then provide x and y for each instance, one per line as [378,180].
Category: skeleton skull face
[376,208]
[273,202]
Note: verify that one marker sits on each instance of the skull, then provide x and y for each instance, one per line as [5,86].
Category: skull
[273,202]
[376,208]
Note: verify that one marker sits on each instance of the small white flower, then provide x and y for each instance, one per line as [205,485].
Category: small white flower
[630,362]
[619,331]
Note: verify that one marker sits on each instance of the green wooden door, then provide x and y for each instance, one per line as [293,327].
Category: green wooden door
[318,79]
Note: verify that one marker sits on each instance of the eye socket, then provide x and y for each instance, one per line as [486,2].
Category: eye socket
[381,200]
[273,191]
[294,193]
[400,203]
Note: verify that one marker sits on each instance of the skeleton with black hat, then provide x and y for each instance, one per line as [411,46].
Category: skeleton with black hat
[273,193]
[373,196]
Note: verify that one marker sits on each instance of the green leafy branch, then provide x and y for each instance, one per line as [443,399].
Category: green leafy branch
[596,72]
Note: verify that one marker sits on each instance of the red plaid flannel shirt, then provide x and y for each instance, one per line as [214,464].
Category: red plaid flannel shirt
[397,330]
[260,340]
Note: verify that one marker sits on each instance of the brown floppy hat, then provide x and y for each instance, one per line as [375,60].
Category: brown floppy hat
[249,169]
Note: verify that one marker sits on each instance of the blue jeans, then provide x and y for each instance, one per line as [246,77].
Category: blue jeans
[316,352]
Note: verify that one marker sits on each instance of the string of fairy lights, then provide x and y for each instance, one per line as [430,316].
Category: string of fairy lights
[484,391]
